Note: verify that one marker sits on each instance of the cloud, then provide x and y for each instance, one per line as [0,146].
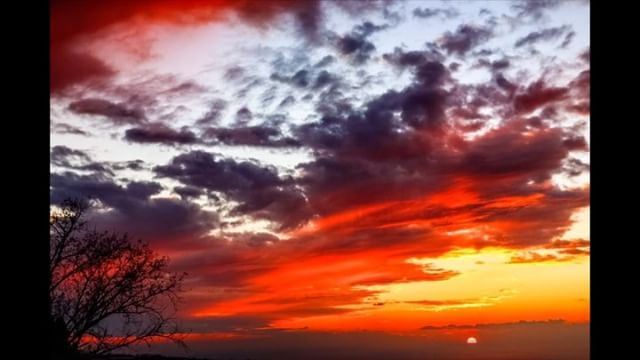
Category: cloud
[396,171]
[69,67]
[399,169]
[355,44]
[70,185]
[495,325]
[575,252]
[160,134]
[259,190]
[260,135]
[63,128]
[534,9]
[165,222]
[537,95]
[568,244]
[325,61]
[406,59]
[465,38]
[356,47]
[243,115]
[575,167]
[533,257]
[585,55]
[214,114]
[426,13]
[576,247]
[494,66]
[187,192]
[449,304]
[66,157]
[131,165]
[60,155]
[546,35]
[299,79]
[568,39]
[118,114]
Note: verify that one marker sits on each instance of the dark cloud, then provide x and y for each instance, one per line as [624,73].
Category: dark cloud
[324,78]
[426,13]
[534,9]
[465,38]
[183,88]
[135,165]
[288,101]
[260,135]
[187,192]
[496,65]
[243,115]
[259,190]
[586,55]
[403,59]
[546,35]
[355,44]
[214,114]
[300,79]
[117,113]
[393,17]
[130,208]
[575,167]
[61,155]
[68,158]
[62,128]
[357,47]
[325,61]
[404,164]
[537,95]
[367,28]
[568,39]
[234,73]
[484,52]
[158,133]
[542,151]
[505,84]
[65,157]
[71,185]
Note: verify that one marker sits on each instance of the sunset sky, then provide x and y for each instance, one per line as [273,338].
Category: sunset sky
[407,172]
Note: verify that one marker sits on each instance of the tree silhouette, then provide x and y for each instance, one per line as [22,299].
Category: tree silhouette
[107,291]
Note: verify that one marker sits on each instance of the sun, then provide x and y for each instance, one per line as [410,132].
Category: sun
[472,340]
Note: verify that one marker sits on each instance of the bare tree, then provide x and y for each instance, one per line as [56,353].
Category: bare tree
[106,291]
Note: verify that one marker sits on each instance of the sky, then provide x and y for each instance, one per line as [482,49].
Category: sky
[398,173]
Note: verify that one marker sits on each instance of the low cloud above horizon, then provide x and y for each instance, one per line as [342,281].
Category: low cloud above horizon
[324,167]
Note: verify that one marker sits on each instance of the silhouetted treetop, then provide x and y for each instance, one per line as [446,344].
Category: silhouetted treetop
[107,291]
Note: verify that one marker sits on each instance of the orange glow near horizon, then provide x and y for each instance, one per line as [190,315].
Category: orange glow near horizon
[472,285]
